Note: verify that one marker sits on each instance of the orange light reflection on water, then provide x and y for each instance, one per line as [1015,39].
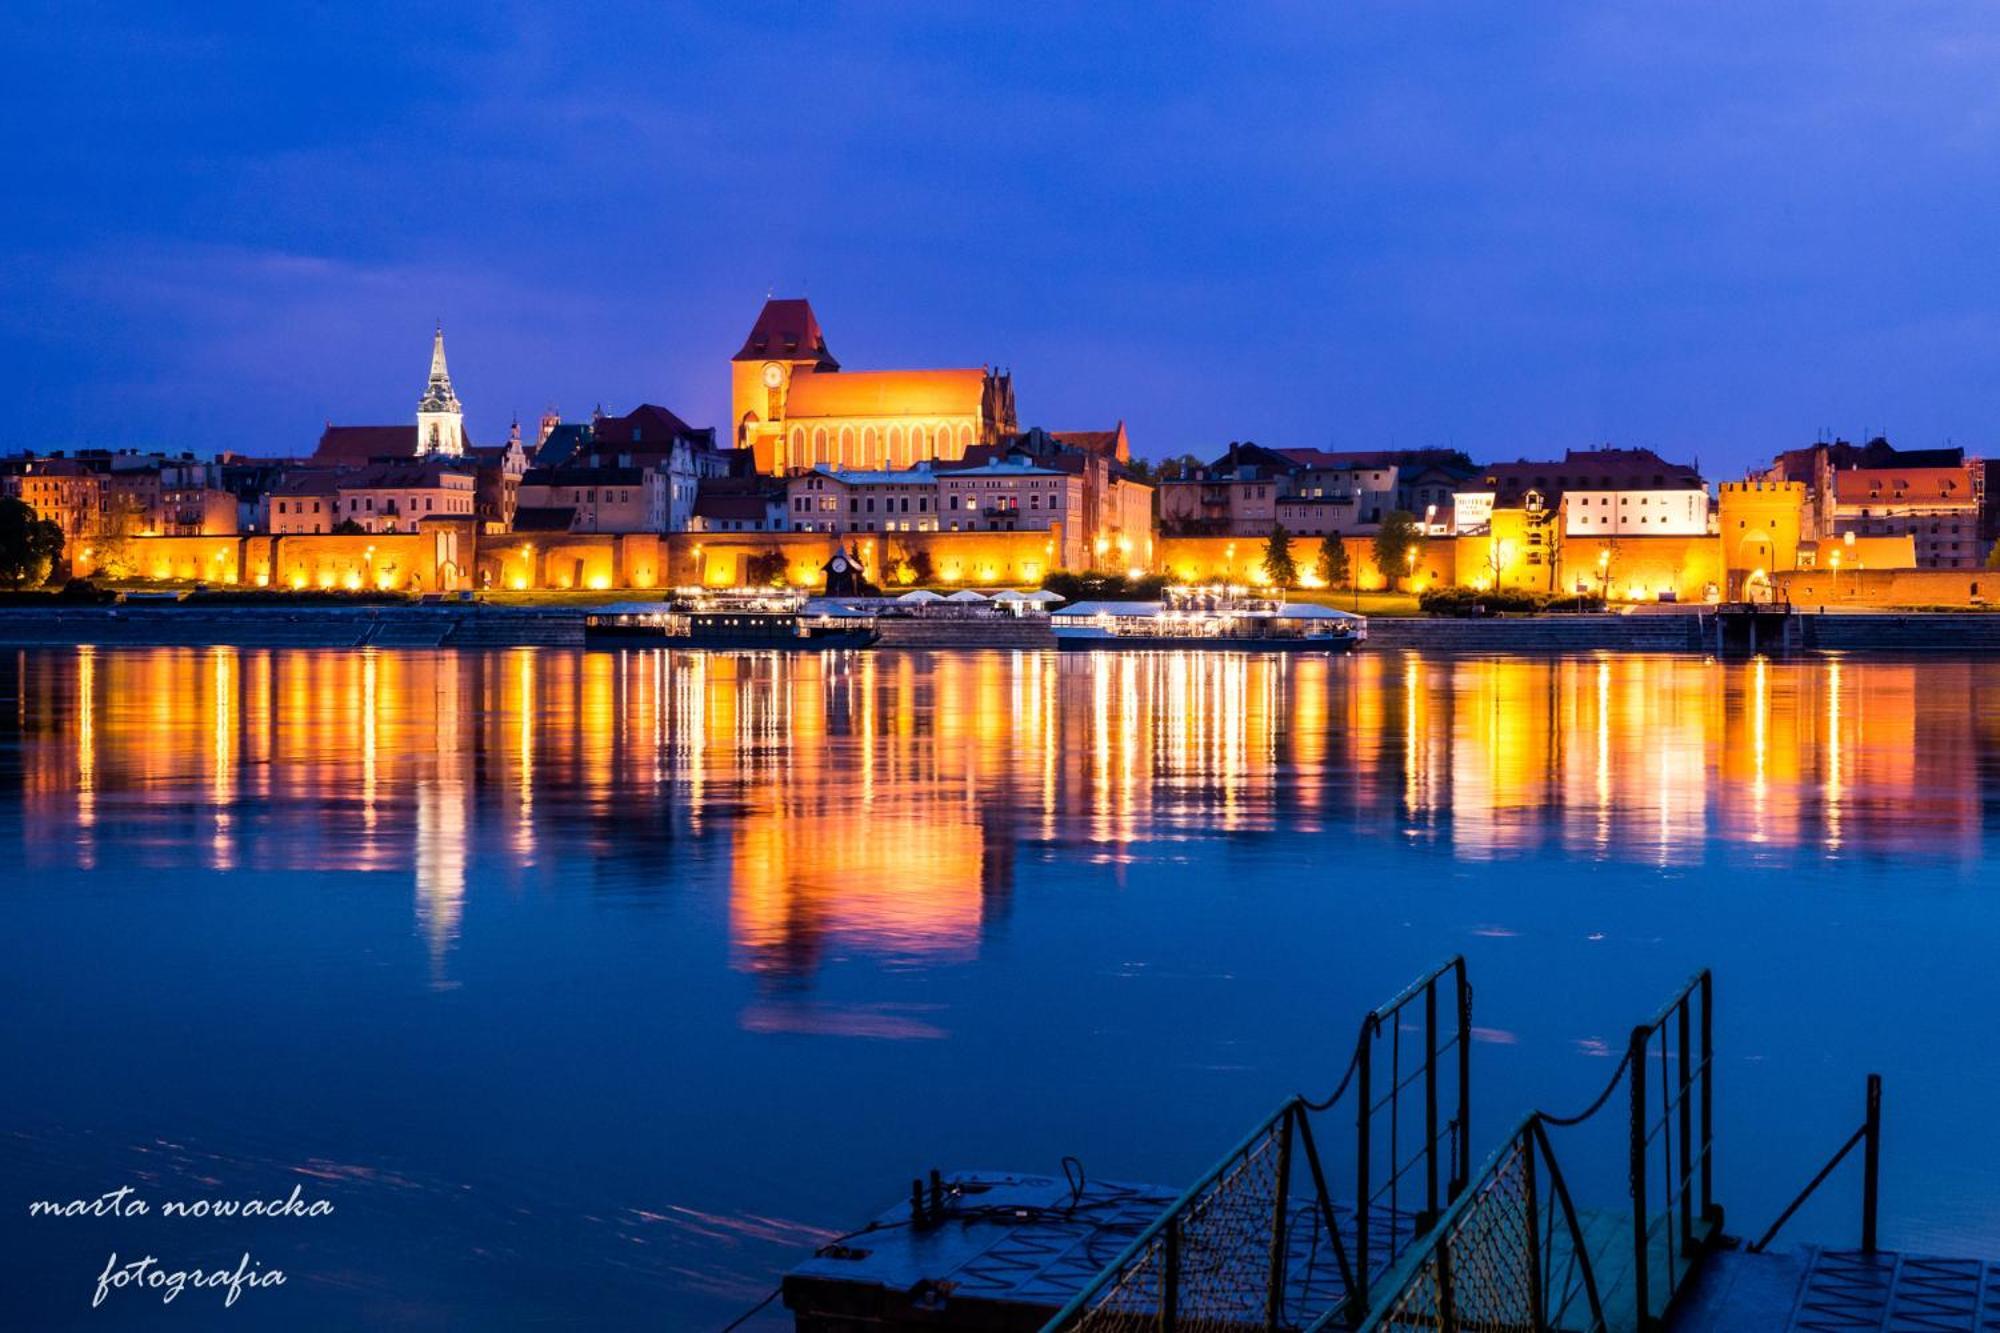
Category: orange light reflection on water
[882,802]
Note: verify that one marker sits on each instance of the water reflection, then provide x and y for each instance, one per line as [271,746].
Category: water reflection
[880,803]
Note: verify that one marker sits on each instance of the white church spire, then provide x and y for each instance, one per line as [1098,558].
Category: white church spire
[440,419]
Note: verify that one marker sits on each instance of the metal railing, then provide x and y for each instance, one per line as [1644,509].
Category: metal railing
[1869,1135]
[1497,1259]
[1237,1250]
[1683,1035]
[1380,1166]
[1508,1255]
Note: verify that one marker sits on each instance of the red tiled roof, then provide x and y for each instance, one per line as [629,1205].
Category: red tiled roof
[1113,443]
[787,330]
[360,444]
[413,474]
[1914,485]
[645,424]
[709,505]
[320,481]
[544,518]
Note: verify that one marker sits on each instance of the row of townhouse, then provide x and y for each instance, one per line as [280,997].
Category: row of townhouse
[1073,485]
[100,494]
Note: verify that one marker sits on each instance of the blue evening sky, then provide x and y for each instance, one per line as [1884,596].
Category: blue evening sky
[1718,229]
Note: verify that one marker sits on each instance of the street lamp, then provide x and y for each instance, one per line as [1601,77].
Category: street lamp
[1409,564]
[1604,573]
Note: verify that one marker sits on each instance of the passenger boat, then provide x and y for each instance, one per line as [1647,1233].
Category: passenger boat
[773,622]
[1225,618]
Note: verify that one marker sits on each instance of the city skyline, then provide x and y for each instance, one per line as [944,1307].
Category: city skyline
[1604,236]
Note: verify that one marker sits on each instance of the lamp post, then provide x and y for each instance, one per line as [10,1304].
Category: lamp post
[1410,566]
[1604,574]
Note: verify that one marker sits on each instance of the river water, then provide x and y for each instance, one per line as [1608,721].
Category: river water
[593,990]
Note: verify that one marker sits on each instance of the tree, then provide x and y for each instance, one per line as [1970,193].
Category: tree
[907,566]
[1278,562]
[348,527]
[1397,543]
[29,546]
[766,568]
[123,519]
[1333,566]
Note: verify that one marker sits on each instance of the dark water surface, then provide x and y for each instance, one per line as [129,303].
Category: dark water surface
[593,990]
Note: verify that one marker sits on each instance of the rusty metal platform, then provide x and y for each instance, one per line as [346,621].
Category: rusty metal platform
[1008,1250]
[1812,1290]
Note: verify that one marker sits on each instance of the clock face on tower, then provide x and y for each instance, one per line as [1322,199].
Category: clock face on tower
[774,375]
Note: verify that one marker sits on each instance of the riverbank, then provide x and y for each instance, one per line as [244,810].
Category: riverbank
[483,625]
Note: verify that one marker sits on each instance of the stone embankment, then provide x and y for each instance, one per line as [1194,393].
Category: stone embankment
[1970,632]
[1536,634]
[174,625]
[472,625]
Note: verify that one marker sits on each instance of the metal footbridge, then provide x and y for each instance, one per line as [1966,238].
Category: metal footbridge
[1359,1211]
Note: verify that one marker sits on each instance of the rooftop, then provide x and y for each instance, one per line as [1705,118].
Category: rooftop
[787,330]
[887,393]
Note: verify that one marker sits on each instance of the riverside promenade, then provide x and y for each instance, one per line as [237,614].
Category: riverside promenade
[480,625]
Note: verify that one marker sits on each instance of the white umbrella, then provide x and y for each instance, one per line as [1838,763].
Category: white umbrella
[1009,595]
[1044,595]
[921,595]
[965,595]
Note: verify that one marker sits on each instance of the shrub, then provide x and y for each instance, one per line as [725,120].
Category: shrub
[1471,602]
[1104,587]
[85,592]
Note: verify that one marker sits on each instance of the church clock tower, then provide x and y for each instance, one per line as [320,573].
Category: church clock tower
[440,419]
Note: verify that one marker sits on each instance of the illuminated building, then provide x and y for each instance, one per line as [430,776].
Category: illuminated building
[1312,492]
[396,497]
[677,458]
[60,490]
[303,502]
[1938,507]
[592,499]
[835,501]
[1674,512]
[796,409]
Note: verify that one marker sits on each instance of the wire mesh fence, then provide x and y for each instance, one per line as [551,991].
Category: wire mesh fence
[1208,1265]
[1509,1257]
[1479,1275]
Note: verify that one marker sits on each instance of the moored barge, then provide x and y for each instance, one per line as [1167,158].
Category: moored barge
[1212,618]
[775,622]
